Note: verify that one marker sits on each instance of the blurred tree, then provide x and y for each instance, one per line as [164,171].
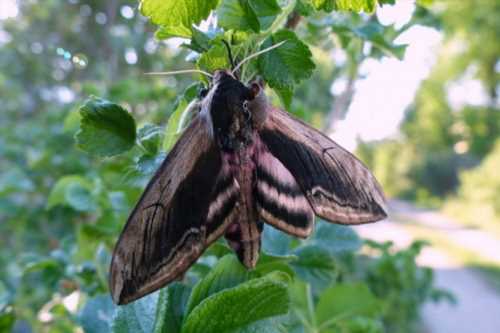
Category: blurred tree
[449,126]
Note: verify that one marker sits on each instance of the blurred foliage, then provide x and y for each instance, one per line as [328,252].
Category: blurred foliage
[440,135]
[61,209]
[478,197]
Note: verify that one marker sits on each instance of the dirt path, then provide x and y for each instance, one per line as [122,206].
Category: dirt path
[478,304]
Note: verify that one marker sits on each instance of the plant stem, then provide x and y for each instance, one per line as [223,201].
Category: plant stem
[287,10]
[310,308]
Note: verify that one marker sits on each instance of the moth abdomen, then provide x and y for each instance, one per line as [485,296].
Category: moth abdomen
[245,244]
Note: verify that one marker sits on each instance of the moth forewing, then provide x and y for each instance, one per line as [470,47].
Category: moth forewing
[167,230]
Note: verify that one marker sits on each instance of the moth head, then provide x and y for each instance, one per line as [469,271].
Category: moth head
[227,94]
[222,75]
[224,78]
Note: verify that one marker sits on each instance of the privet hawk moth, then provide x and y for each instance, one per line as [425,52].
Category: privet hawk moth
[239,164]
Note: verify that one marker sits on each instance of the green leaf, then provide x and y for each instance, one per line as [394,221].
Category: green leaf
[149,136]
[326,5]
[363,325]
[314,265]
[227,273]
[7,314]
[304,7]
[73,191]
[176,16]
[236,37]
[106,129]
[169,32]
[247,15]
[237,15]
[425,2]
[200,41]
[173,130]
[177,121]
[286,65]
[138,316]
[235,308]
[269,325]
[376,34]
[7,318]
[275,241]
[274,263]
[218,249]
[285,94]
[96,315]
[301,300]
[215,58]
[171,307]
[336,239]
[343,301]
[72,122]
[381,37]
[33,263]
[367,6]
[266,11]
[147,164]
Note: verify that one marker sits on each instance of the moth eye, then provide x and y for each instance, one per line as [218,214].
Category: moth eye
[202,93]
[254,90]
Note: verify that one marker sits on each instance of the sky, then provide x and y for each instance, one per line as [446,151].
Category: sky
[8,8]
[389,85]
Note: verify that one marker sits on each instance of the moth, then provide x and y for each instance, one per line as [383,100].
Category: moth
[239,164]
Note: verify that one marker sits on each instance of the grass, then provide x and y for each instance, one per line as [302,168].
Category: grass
[484,217]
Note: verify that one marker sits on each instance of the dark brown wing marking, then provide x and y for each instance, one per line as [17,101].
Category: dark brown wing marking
[183,209]
[279,199]
[222,210]
[338,186]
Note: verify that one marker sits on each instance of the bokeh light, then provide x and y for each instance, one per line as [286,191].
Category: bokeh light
[8,9]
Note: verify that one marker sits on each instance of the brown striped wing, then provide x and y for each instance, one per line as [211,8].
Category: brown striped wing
[186,206]
[337,185]
[279,199]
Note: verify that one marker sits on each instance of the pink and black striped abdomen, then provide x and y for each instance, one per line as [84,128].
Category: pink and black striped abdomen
[244,233]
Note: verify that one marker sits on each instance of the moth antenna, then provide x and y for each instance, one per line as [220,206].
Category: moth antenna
[267,49]
[184,71]
[229,54]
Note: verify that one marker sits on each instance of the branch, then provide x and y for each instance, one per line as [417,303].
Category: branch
[340,106]
[293,20]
